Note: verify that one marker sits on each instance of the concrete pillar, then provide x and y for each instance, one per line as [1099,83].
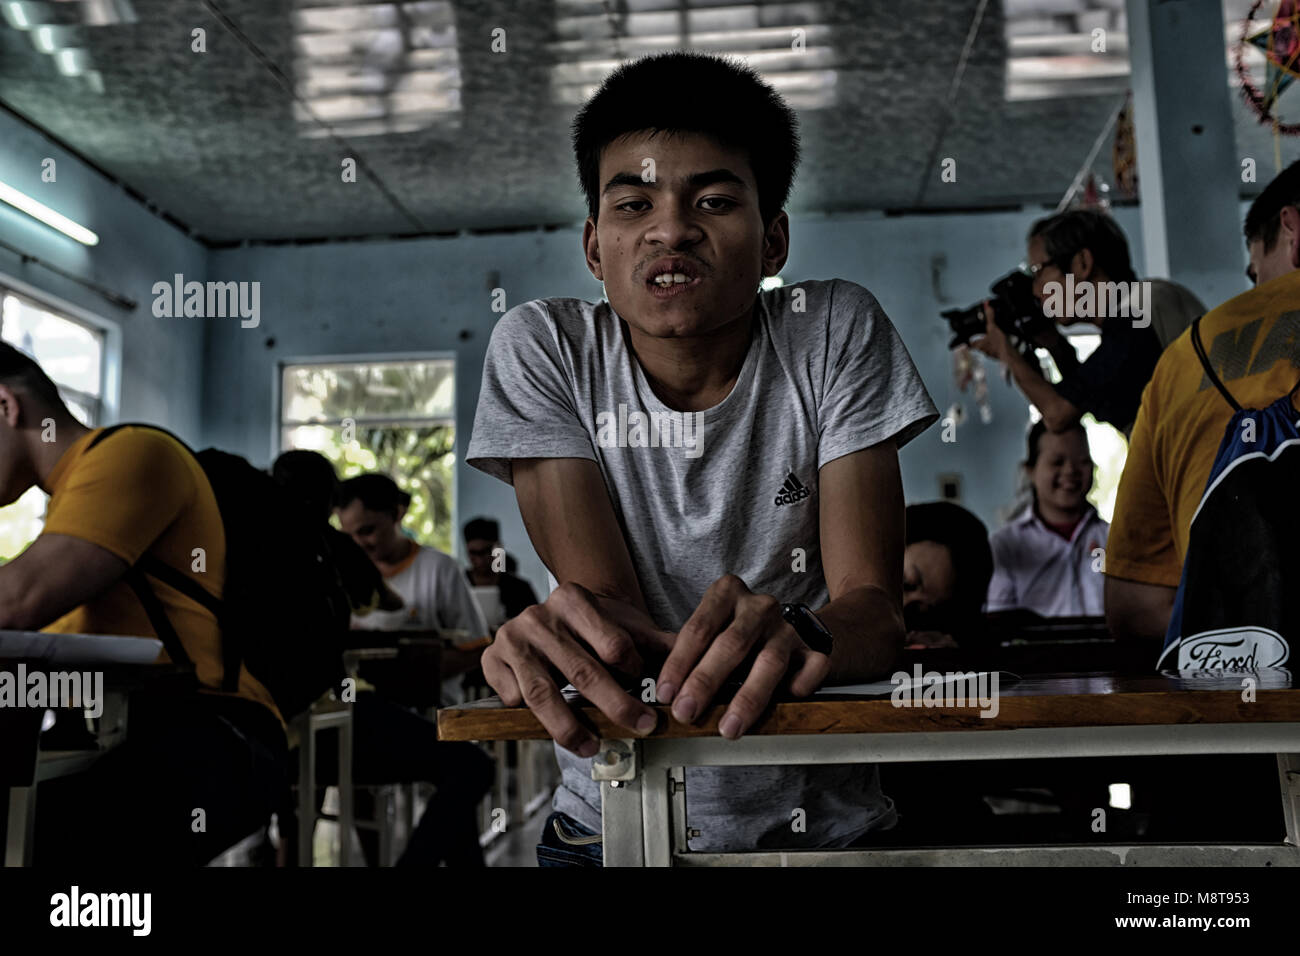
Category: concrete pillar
[1189,174]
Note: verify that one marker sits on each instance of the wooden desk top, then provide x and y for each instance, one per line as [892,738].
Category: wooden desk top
[1050,700]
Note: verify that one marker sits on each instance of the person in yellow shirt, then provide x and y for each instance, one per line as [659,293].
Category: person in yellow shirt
[1253,343]
[139,492]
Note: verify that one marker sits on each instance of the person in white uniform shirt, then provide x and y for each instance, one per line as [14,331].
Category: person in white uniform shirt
[1048,558]
[434,592]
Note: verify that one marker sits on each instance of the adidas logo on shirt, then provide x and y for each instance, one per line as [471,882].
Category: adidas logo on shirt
[792,490]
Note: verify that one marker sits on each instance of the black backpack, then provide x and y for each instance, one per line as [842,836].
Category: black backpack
[1235,607]
[284,612]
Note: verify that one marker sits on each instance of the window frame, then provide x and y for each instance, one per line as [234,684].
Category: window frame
[108,405]
[375,358]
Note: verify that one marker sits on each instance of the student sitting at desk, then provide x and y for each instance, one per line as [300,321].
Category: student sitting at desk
[1047,559]
[946,569]
[693,453]
[138,492]
[392,744]
[436,597]
[504,591]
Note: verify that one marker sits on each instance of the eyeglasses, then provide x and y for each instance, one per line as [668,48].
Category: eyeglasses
[1032,269]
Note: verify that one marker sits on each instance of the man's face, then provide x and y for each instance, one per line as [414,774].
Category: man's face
[699,218]
[14,481]
[1284,257]
[16,474]
[480,554]
[376,532]
[1047,271]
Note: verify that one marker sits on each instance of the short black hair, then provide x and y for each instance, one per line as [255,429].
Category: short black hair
[1265,216]
[375,492]
[1065,234]
[18,369]
[482,529]
[692,92]
[309,477]
[966,539]
[1036,434]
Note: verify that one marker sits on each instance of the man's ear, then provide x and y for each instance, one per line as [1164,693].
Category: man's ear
[591,248]
[1082,264]
[776,244]
[10,406]
[1290,219]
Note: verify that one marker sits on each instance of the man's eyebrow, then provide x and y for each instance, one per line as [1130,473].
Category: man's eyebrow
[694,181]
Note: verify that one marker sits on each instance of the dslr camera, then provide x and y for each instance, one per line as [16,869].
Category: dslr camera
[1015,310]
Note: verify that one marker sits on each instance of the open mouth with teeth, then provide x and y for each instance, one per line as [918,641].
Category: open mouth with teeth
[665,279]
[672,279]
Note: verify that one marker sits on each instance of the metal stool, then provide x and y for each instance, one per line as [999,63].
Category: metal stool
[326,712]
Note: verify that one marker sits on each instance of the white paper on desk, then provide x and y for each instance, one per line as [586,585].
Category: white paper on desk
[884,688]
[79,648]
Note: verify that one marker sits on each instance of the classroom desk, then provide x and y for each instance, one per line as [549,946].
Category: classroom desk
[24,765]
[643,791]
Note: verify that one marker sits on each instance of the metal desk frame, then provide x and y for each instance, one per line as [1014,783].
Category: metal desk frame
[643,790]
[52,764]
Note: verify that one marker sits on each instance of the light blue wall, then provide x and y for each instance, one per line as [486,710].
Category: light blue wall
[424,295]
[373,298]
[161,360]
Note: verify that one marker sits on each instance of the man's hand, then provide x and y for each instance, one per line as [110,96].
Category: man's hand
[994,343]
[730,624]
[575,633]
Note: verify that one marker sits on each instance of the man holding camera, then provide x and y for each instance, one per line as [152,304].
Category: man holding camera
[1079,262]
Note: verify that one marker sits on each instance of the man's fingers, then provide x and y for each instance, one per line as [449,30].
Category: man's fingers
[577,608]
[500,678]
[714,612]
[543,698]
[638,625]
[756,617]
[810,671]
[764,677]
[597,685]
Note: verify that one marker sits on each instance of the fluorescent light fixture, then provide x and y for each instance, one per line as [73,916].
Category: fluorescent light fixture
[759,34]
[72,62]
[370,69]
[1121,796]
[18,17]
[45,39]
[25,203]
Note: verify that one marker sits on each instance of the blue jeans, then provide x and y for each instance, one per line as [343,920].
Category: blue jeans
[558,846]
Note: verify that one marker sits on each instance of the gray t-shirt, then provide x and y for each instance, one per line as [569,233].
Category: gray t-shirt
[731,489]
[1173,309]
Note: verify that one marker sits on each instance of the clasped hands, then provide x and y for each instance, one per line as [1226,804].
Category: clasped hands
[579,637]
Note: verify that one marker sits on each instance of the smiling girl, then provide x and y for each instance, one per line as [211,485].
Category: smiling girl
[1049,558]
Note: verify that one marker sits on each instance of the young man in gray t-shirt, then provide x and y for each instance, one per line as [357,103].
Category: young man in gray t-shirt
[691,454]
